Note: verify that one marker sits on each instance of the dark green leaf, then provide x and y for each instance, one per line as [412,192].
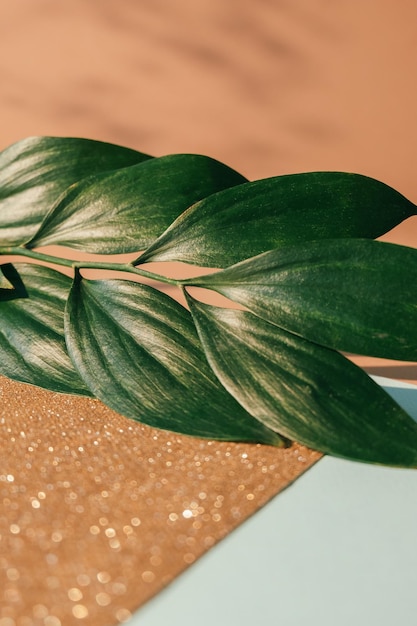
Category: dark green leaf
[354,295]
[35,171]
[138,351]
[125,210]
[254,217]
[32,344]
[304,391]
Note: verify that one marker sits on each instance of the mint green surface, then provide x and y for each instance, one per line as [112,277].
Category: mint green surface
[338,548]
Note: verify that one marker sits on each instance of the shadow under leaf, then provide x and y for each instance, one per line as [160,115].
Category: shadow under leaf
[11,284]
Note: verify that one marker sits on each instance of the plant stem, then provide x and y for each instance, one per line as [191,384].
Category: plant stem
[99,265]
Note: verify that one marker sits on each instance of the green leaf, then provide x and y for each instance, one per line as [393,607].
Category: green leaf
[304,391]
[124,211]
[255,217]
[138,351]
[32,344]
[354,295]
[34,172]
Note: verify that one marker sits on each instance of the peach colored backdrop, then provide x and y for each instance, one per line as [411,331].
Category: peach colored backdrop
[269,87]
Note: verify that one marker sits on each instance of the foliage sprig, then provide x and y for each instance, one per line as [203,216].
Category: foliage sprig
[296,253]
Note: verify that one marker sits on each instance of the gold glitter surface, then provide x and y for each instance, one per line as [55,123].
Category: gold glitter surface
[98,513]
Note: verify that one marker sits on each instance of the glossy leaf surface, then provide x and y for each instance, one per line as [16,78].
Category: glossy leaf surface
[252,218]
[304,391]
[34,172]
[354,295]
[139,352]
[32,344]
[124,211]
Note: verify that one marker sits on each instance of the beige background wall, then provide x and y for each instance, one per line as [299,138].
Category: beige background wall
[271,86]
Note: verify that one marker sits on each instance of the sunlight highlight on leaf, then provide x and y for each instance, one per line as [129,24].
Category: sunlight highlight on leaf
[304,391]
[138,351]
